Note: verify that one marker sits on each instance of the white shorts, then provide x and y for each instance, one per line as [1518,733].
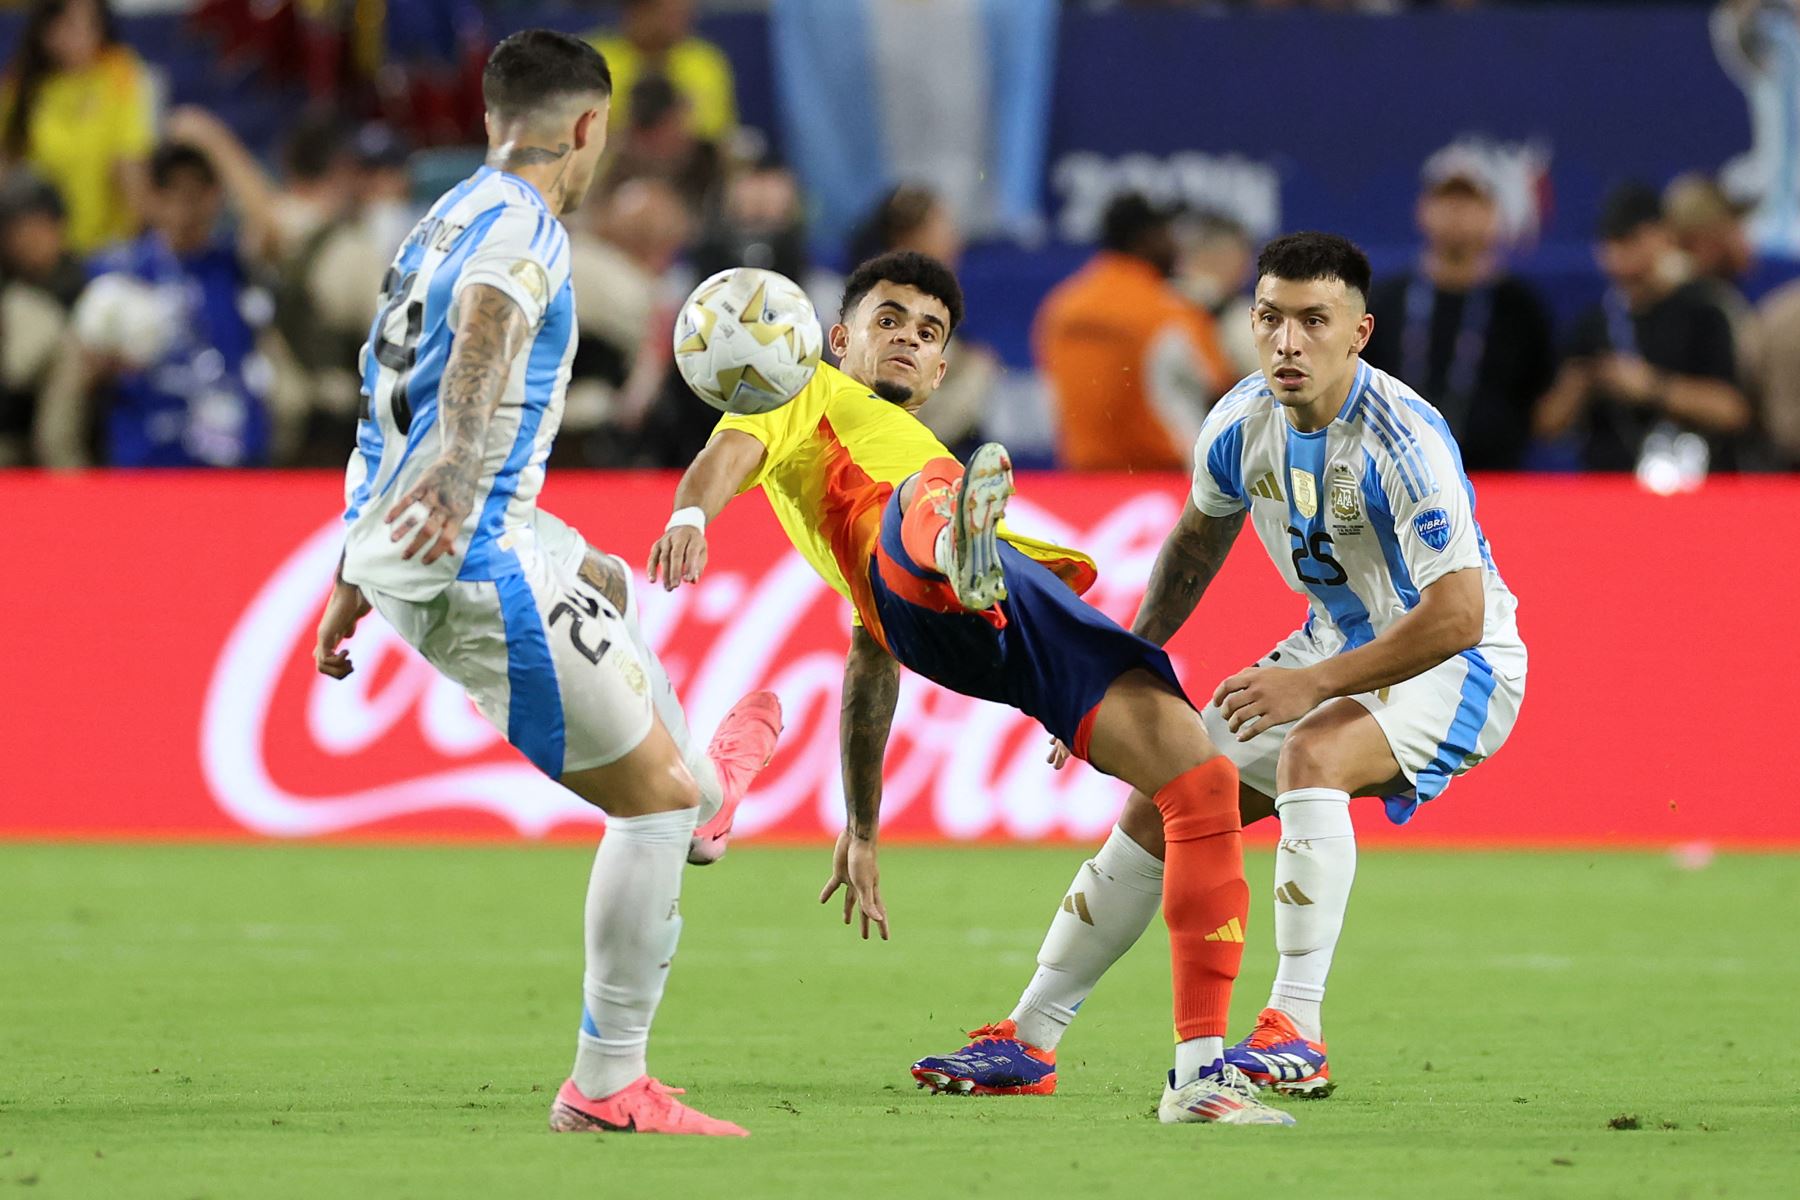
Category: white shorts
[542,654]
[1438,724]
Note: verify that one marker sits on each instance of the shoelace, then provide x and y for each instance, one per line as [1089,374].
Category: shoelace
[1233,1080]
[1268,1032]
[989,1033]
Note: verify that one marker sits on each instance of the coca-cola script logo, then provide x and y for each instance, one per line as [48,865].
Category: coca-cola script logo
[289,753]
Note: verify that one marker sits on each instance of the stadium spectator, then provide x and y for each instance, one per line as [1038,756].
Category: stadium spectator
[657,140]
[1214,270]
[34,238]
[656,37]
[1775,375]
[623,245]
[166,335]
[1656,356]
[916,218]
[1131,365]
[38,281]
[1472,338]
[759,222]
[78,106]
[1710,231]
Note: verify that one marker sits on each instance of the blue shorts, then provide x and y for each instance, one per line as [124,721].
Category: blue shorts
[1053,659]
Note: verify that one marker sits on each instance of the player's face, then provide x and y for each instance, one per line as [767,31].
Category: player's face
[893,343]
[1308,334]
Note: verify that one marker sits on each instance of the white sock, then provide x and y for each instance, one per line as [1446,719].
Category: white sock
[1194,1056]
[668,705]
[1314,867]
[633,923]
[1105,911]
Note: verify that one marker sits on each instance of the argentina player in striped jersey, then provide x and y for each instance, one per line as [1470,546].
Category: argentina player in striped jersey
[1408,670]
[464,379]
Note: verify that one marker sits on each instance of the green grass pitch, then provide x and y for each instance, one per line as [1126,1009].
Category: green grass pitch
[379,1021]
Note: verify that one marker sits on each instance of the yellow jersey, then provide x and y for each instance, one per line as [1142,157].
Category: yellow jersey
[83,125]
[698,69]
[831,458]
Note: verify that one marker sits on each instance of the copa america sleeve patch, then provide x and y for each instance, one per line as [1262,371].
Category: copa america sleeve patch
[1433,528]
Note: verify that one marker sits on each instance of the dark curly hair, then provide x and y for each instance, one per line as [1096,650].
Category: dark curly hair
[911,269]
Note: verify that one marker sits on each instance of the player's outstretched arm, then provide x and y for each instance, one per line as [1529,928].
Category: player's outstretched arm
[716,475]
[490,332]
[871,691]
[1185,566]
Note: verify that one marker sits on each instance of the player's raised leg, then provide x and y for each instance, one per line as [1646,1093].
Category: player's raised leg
[632,924]
[952,523]
[740,747]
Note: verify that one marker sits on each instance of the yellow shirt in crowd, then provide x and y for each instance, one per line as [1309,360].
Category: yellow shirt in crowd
[831,458]
[698,69]
[83,125]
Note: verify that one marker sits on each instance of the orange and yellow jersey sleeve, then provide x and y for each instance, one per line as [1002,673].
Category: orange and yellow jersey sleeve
[831,458]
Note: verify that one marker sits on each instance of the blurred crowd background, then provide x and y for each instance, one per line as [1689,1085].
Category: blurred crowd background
[198,202]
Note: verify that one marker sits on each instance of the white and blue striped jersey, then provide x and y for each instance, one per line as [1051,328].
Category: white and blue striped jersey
[493,229]
[1359,517]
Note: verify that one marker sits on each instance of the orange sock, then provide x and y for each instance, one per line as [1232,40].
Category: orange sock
[1206,902]
[930,511]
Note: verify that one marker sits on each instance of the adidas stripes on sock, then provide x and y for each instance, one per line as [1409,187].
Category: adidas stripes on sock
[1105,911]
[633,923]
[1315,865]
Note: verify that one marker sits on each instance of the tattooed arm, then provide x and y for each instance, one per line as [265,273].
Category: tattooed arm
[1190,557]
[871,690]
[489,335]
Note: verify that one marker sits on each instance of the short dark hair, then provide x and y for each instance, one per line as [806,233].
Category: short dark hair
[1302,257]
[910,269]
[314,146]
[1627,209]
[172,158]
[536,66]
[1129,218]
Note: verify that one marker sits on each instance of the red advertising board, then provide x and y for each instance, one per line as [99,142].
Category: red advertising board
[159,631]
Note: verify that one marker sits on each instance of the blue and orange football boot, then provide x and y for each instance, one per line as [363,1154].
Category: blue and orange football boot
[994,1063]
[1277,1056]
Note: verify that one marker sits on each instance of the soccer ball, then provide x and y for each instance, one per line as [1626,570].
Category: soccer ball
[747,341]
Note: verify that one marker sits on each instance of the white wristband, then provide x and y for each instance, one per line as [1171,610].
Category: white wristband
[693,515]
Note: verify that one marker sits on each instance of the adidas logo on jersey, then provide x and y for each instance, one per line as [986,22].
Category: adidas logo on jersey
[1269,488]
[1230,931]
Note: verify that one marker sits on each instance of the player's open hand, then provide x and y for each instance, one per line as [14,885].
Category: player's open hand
[678,557]
[1261,698]
[343,610]
[434,511]
[853,869]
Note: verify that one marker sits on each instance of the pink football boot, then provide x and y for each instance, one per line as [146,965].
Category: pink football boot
[645,1106]
[742,747]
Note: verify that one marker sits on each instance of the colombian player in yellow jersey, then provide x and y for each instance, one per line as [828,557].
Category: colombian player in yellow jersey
[890,520]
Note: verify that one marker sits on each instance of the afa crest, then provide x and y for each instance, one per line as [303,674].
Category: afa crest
[1346,502]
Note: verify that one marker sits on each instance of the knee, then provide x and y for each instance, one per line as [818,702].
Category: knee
[1306,760]
[1201,802]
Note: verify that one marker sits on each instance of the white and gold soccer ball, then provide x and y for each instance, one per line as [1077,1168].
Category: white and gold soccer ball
[747,341]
